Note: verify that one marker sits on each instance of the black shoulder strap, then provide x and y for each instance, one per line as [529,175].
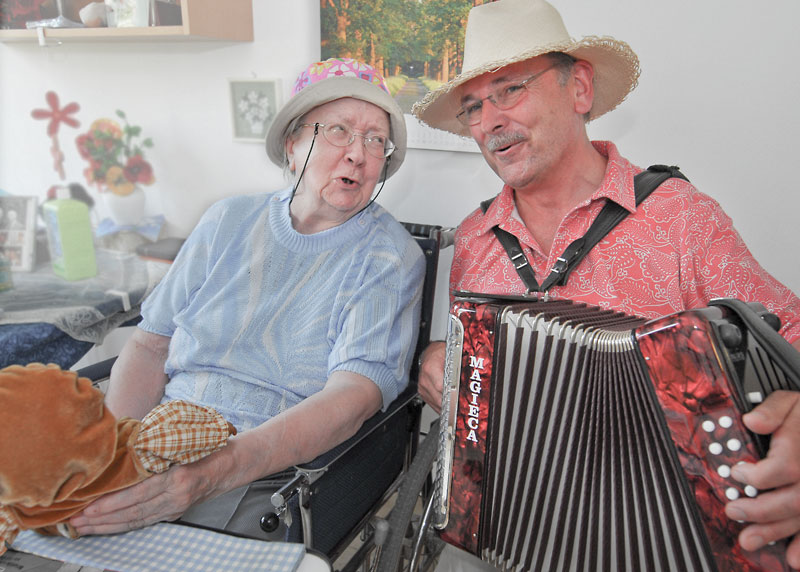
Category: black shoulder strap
[609,217]
[514,250]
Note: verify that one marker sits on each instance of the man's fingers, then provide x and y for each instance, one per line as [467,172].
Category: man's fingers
[431,375]
[778,409]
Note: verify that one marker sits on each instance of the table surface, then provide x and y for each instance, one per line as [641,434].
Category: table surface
[45,315]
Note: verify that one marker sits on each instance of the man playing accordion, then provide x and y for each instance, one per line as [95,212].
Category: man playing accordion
[525,94]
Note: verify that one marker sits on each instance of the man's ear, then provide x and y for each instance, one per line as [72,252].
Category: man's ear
[583,76]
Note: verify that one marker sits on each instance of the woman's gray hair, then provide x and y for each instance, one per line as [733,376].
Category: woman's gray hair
[291,129]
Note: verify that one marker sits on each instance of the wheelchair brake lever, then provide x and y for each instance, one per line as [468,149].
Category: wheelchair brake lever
[270,521]
[282,495]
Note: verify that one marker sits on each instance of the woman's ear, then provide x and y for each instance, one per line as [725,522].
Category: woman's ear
[289,147]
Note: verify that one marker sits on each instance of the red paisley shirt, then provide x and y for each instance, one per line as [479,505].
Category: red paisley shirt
[678,250]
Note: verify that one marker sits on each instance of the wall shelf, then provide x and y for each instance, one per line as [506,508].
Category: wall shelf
[228,20]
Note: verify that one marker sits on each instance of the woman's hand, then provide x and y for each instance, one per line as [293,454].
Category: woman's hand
[162,497]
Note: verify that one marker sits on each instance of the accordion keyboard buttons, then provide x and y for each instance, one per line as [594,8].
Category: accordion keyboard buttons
[733,445]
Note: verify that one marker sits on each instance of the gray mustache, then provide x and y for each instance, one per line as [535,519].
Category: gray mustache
[503,140]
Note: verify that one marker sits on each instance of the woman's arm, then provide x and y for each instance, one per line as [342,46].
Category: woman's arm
[137,378]
[299,434]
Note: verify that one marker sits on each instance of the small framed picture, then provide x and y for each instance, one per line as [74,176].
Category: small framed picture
[254,103]
[18,231]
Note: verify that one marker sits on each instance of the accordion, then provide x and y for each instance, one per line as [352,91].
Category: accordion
[576,438]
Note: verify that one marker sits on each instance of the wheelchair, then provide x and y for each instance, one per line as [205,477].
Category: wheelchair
[336,504]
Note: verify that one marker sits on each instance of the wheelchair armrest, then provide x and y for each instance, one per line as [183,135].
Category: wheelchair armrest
[102,370]
[98,371]
[345,486]
[371,425]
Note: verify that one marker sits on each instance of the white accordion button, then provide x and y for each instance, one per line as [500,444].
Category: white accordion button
[731,493]
[724,471]
[725,421]
[734,444]
[715,448]
[751,491]
[708,426]
[755,397]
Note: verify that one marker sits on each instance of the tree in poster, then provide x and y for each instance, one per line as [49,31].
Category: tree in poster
[403,36]
[444,26]
[390,34]
[349,26]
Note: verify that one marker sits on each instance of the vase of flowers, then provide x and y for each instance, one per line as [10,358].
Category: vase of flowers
[117,166]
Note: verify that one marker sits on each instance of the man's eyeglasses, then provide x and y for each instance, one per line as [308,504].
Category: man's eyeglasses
[340,136]
[503,98]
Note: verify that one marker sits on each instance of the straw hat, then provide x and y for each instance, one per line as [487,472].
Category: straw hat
[332,79]
[509,31]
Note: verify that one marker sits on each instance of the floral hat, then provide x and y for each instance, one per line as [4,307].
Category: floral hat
[333,79]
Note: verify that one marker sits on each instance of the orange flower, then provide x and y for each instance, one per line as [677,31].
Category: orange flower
[117,182]
[106,127]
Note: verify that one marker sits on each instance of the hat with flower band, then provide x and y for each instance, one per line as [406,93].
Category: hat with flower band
[329,80]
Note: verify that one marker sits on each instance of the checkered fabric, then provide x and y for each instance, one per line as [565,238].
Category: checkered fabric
[179,432]
[166,547]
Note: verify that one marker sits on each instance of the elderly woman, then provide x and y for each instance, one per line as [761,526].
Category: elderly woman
[294,314]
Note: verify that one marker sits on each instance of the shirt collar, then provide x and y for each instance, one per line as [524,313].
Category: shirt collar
[617,182]
[617,186]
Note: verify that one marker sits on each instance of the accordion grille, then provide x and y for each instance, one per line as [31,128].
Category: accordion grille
[582,473]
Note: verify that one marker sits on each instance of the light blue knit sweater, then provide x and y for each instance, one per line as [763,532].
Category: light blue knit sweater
[261,315]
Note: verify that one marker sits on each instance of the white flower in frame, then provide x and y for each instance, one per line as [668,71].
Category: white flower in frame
[254,105]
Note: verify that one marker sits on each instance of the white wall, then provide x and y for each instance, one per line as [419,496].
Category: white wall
[716,97]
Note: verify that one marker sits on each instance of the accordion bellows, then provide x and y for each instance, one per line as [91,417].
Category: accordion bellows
[60,448]
[575,438]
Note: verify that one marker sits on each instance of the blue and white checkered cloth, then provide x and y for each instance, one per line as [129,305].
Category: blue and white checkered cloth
[166,547]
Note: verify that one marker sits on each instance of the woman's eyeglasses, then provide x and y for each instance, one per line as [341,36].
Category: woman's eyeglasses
[340,136]
[503,98]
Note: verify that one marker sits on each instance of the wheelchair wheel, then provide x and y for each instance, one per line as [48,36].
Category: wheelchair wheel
[410,544]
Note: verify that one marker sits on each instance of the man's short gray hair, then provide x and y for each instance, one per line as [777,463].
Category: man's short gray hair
[565,63]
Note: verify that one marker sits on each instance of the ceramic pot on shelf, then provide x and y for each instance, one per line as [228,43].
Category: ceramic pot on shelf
[127,209]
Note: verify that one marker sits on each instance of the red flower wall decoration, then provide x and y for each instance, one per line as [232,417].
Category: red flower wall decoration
[57,115]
